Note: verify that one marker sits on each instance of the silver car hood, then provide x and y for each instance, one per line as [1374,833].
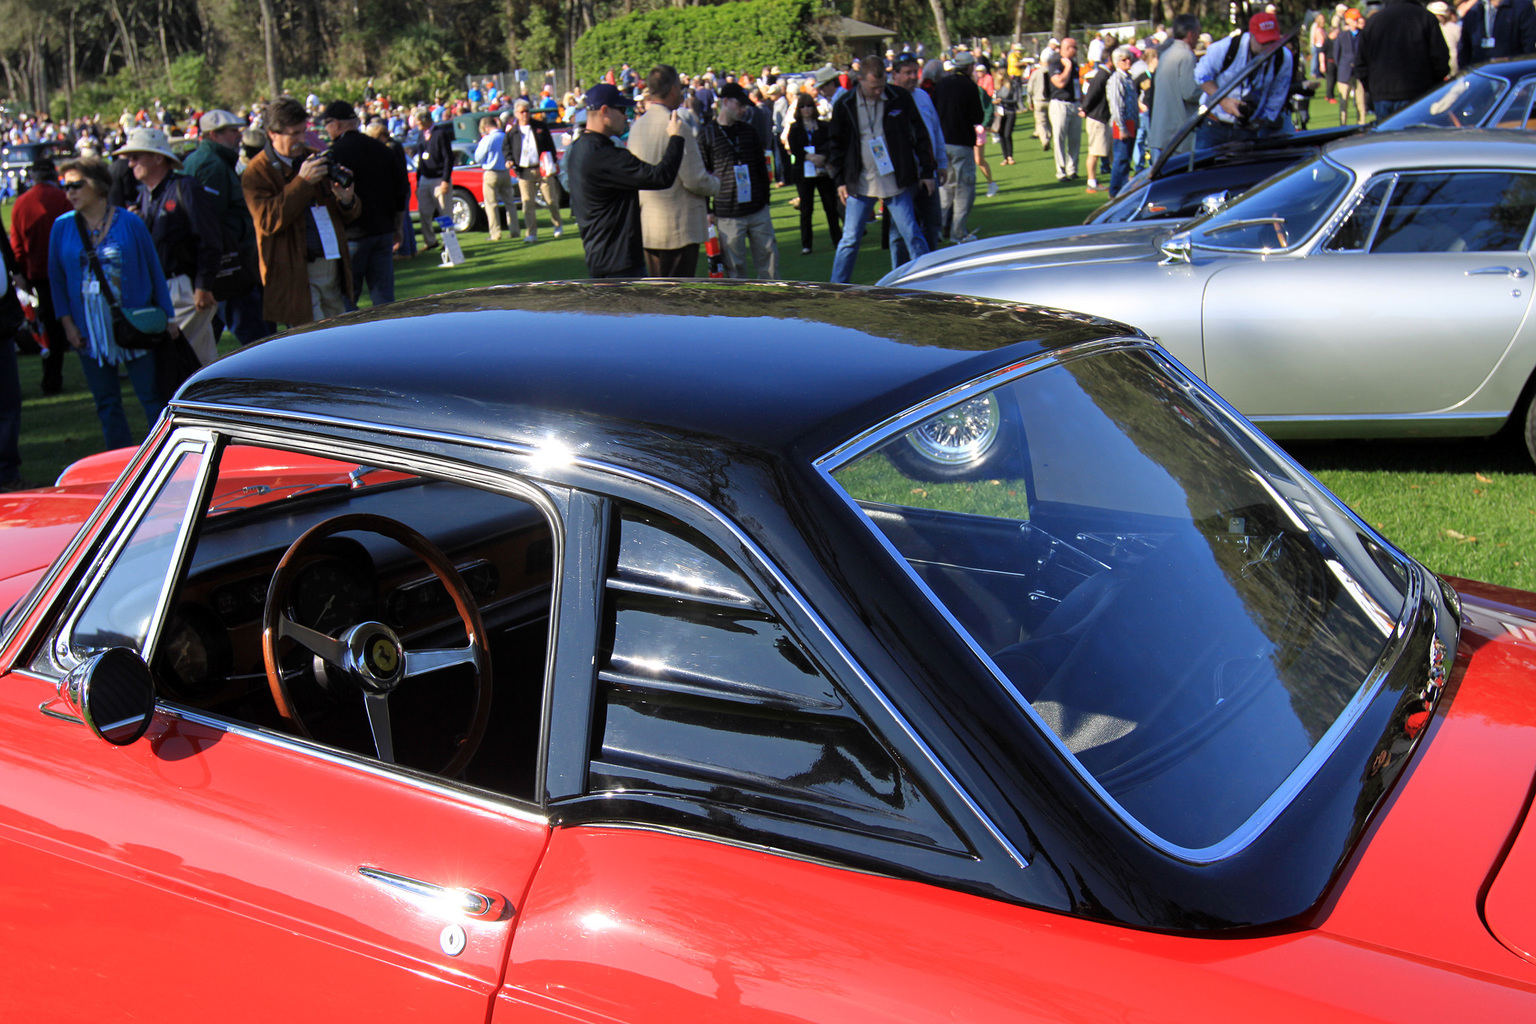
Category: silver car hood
[1055,247]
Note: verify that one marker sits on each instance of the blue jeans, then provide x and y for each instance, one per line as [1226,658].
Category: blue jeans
[373,262]
[243,317]
[1139,152]
[103,382]
[1213,133]
[1120,168]
[1386,108]
[860,210]
[929,216]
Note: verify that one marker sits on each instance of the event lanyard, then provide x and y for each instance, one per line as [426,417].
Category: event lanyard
[871,112]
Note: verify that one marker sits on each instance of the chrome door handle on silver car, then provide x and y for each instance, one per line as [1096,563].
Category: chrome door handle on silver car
[1511,271]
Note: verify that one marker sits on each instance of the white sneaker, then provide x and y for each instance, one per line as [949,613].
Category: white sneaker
[1093,184]
[991,189]
[530,239]
[559,231]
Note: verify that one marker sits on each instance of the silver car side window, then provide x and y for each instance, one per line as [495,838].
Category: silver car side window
[1460,211]
[1354,234]
[1517,112]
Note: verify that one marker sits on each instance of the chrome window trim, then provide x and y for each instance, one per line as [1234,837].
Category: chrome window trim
[1296,780]
[1347,210]
[51,573]
[63,651]
[479,798]
[764,564]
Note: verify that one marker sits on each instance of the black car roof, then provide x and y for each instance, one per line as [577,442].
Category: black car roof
[623,371]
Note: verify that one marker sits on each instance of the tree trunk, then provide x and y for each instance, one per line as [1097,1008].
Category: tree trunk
[1018,22]
[1061,19]
[165,50]
[10,77]
[940,24]
[269,39]
[130,52]
[69,78]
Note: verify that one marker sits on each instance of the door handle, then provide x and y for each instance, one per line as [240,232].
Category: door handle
[469,902]
[1515,272]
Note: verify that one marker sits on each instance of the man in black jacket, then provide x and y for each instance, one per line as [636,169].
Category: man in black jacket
[879,151]
[957,98]
[380,180]
[733,152]
[1400,55]
[434,171]
[606,181]
[1497,28]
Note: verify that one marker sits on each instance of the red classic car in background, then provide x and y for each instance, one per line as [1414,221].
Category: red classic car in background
[756,653]
[466,202]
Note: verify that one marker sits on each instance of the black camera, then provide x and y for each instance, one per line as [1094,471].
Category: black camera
[341,176]
[1246,108]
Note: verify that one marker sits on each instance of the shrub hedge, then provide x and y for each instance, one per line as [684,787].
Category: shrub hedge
[744,35]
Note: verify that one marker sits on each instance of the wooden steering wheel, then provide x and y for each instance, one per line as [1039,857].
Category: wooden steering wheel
[370,654]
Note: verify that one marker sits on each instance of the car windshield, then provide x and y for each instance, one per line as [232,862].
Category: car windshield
[1456,104]
[1188,615]
[1279,213]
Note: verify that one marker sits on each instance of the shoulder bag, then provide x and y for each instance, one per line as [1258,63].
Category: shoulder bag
[138,328]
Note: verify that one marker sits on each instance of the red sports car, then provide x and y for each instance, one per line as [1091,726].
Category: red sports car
[744,652]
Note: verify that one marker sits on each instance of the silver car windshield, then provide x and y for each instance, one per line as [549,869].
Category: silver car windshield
[1461,103]
[1190,617]
[1281,213]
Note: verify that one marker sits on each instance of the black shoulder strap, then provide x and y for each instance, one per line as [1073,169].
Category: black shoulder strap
[1232,50]
[101,276]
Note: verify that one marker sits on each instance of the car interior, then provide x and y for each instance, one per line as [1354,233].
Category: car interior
[476,718]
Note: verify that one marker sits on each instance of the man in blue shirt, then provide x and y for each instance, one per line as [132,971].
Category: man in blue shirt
[1256,109]
[495,182]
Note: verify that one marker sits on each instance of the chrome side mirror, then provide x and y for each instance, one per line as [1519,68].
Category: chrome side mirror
[113,693]
[1176,248]
[1215,201]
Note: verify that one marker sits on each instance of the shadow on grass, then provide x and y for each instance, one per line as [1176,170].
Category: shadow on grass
[1502,453]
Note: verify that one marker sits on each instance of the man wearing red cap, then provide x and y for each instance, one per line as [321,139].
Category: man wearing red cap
[1255,109]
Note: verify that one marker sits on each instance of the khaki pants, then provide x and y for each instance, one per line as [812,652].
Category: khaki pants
[529,184]
[196,324]
[755,230]
[496,186]
[1066,137]
[325,288]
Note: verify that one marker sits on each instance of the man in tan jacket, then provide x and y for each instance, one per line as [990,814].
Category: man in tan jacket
[301,210]
[673,221]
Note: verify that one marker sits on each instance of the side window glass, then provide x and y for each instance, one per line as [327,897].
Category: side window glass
[1354,235]
[1468,211]
[702,689]
[374,653]
[120,610]
[1517,114]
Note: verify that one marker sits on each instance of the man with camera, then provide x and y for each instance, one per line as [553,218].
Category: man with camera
[384,192]
[301,205]
[1256,109]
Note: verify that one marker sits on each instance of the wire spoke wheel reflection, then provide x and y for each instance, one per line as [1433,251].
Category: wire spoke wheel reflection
[959,435]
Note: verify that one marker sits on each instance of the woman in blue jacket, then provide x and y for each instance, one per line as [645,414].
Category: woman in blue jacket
[127,256]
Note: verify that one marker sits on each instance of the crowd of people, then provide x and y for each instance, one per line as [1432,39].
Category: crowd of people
[290,211]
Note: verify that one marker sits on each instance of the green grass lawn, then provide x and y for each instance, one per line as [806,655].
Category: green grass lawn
[1462,507]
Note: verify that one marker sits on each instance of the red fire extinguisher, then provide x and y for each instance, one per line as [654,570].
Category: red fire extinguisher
[712,250]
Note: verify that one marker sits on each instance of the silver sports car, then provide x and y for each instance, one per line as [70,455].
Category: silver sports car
[1379,290]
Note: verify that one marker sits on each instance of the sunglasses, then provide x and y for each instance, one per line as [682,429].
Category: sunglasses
[71,186]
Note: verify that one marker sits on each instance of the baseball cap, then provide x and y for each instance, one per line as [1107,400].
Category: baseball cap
[1353,12]
[338,110]
[604,95]
[214,120]
[1264,28]
[1439,7]
[732,91]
